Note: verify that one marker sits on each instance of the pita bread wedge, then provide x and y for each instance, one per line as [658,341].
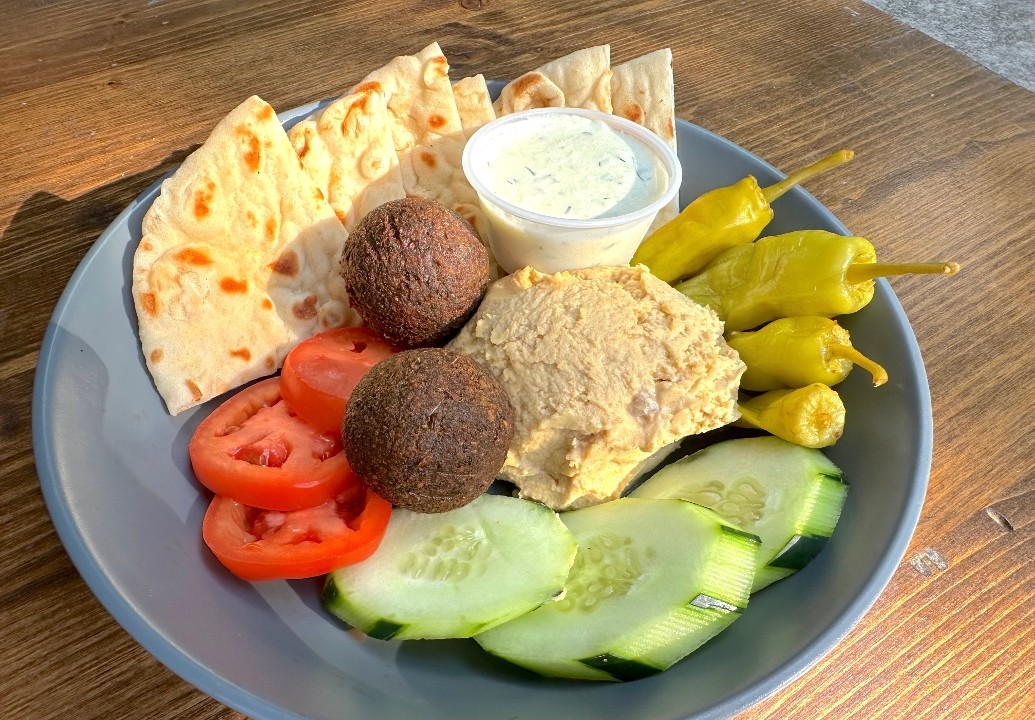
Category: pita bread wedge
[583,79]
[424,121]
[642,90]
[473,103]
[428,131]
[237,262]
[348,151]
[528,92]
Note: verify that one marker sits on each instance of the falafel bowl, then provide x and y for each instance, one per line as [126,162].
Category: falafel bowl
[157,578]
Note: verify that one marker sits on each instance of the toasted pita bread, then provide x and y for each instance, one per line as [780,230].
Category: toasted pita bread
[425,124]
[348,151]
[642,90]
[583,78]
[428,131]
[528,92]
[237,263]
[473,103]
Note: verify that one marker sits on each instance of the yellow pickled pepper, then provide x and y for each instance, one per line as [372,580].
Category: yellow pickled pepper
[798,351]
[717,220]
[812,416]
[805,272]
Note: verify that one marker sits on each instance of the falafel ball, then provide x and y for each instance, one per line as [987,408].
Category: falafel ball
[415,271]
[428,429]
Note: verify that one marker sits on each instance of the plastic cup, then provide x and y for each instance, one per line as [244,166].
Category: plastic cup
[519,237]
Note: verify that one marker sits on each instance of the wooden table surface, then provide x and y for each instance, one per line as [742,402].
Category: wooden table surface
[100,97]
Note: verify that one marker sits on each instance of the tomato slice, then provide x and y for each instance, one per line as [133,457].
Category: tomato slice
[254,449]
[257,544]
[319,373]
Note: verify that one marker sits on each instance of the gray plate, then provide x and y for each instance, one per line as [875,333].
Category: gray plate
[115,474]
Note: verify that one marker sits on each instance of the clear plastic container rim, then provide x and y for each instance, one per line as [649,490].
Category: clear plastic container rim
[662,150]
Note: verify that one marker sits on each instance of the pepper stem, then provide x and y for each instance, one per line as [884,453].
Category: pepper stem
[861,272]
[847,352]
[799,176]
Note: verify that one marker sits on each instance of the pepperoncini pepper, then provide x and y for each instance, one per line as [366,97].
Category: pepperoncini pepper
[798,351]
[812,416]
[806,272]
[719,219]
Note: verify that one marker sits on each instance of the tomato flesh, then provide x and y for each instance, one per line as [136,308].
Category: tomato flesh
[256,544]
[254,449]
[319,373]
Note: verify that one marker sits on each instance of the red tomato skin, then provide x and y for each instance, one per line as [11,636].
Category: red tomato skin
[226,527]
[319,373]
[253,449]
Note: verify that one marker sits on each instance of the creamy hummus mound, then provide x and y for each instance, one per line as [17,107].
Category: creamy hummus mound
[605,367]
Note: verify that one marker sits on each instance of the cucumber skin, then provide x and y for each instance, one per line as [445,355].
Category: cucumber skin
[551,559]
[798,552]
[647,649]
[620,668]
[567,669]
[822,502]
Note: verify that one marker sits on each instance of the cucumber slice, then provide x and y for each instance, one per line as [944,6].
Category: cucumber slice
[453,574]
[790,496]
[652,581]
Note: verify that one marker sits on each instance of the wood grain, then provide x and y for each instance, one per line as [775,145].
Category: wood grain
[98,98]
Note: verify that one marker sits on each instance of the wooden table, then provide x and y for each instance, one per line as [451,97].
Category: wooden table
[99,97]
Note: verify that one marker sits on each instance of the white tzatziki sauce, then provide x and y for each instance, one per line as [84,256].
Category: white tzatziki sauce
[569,166]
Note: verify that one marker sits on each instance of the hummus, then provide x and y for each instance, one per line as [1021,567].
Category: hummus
[605,368]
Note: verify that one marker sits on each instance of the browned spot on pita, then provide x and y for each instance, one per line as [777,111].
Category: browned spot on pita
[671,128]
[319,194]
[267,304]
[305,309]
[191,256]
[270,362]
[353,120]
[271,229]
[195,391]
[149,302]
[633,112]
[439,66]
[230,285]
[156,356]
[202,198]
[371,86]
[242,353]
[304,150]
[436,121]
[286,264]
[252,148]
[428,159]
[342,215]
[146,245]
[266,113]
[525,83]
[372,165]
